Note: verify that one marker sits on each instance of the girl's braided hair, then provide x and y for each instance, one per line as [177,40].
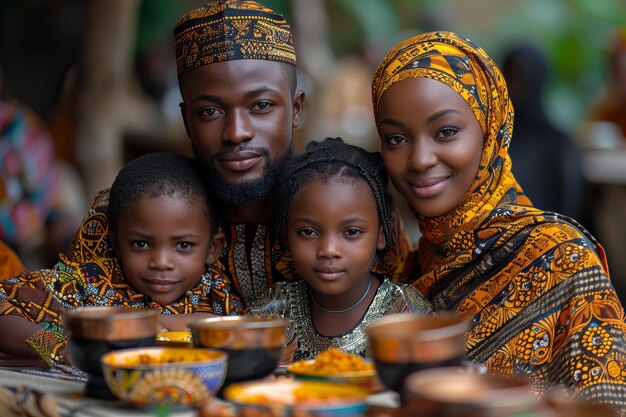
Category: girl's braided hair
[332,157]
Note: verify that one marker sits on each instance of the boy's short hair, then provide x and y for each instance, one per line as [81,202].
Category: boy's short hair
[160,174]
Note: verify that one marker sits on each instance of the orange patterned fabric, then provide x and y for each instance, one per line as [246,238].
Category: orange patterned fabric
[535,283]
[225,30]
[10,264]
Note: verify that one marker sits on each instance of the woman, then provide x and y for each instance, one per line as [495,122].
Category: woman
[536,283]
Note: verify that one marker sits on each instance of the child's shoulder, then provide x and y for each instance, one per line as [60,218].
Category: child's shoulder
[407,297]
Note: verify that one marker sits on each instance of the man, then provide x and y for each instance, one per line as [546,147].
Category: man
[237,74]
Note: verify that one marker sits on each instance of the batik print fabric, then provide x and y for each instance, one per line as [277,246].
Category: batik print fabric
[252,257]
[225,30]
[535,283]
[42,296]
[291,301]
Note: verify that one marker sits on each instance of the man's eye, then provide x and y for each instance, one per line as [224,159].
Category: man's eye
[208,112]
[263,105]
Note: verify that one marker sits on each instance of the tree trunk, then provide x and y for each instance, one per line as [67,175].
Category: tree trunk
[104,68]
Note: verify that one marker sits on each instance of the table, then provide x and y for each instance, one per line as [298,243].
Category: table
[66,395]
[63,397]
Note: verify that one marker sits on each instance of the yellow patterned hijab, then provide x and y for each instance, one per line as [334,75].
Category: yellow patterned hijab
[495,205]
[466,68]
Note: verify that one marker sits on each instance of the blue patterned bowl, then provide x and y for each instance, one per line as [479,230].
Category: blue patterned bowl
[164,376]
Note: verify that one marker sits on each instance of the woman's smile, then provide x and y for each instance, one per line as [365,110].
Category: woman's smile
[428,187]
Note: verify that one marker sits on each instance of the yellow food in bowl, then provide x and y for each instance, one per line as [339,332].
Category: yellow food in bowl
[152,357]
[294,393]
[181,338]
[332,362]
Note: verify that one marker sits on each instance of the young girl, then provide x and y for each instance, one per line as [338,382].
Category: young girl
[165,235]
[335,217]
[535,283]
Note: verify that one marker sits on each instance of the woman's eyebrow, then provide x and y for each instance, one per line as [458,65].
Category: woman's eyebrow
[439,114]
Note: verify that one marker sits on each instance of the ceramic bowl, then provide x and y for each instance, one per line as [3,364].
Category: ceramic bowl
[94,331]
[253,343]
[164,376]
[287,397]
[401,344]
[454,392]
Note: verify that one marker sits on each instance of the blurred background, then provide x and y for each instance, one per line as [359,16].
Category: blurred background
[97,79]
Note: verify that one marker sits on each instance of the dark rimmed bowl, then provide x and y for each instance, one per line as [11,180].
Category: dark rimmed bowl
[94,331]
[254,344]
[455,392]
[401,344]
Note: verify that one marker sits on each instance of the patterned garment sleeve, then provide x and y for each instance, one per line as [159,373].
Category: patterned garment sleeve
[563,321]
[221,300]
[407,299]
[91,241]
[49,345]
[27,296]
[273,303]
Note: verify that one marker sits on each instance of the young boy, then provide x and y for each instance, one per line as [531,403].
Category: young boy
[165,238]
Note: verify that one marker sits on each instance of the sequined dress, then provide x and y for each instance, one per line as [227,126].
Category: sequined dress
[291,301]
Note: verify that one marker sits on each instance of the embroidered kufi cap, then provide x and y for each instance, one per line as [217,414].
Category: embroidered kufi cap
[226,30]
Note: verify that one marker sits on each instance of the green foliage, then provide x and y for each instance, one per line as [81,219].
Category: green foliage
[574,34]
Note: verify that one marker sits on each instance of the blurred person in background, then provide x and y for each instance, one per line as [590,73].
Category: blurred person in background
[612,106]
[604,133]
[546,160]
[33,219]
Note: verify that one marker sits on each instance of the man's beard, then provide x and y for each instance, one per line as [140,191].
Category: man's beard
[249,191]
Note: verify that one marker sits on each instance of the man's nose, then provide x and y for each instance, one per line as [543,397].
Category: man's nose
[238,127]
